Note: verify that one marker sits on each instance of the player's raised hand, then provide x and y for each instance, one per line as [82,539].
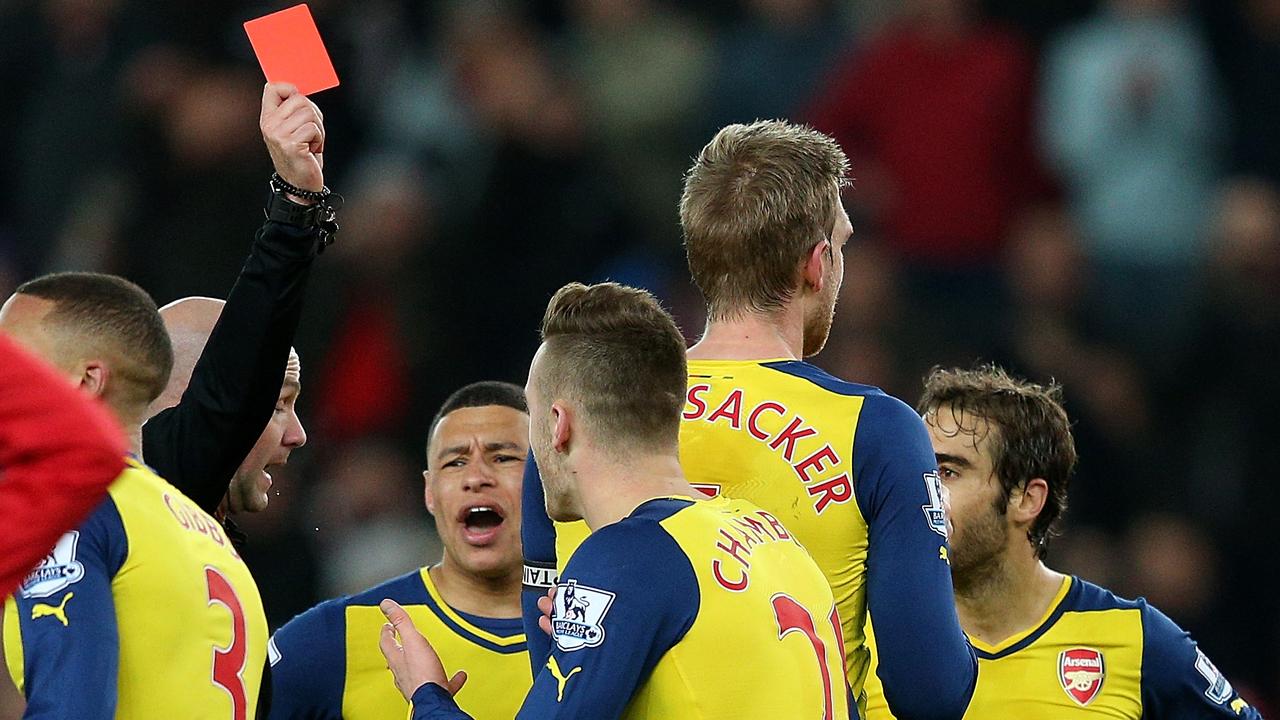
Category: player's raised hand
[412,660]
[293,129]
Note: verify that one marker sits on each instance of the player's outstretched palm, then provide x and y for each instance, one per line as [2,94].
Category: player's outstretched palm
[412,660]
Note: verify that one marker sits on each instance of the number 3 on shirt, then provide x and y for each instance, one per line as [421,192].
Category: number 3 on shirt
[228,662]
[793,617]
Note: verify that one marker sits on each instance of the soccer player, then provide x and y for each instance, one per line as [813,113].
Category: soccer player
[1049,645]
[145,610]
[191,323]
[845,467]
[671,607]
[324,662]
[58,453]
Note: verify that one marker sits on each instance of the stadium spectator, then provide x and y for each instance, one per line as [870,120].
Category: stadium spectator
[767,64]
[640,68]
[935,113]
[1052,330]
[1132,122]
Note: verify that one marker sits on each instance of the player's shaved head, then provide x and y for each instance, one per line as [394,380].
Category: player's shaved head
[617,352]
[99,327]
[190,321]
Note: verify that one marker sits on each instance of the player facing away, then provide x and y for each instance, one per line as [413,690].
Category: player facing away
[1049,645]
[671,607]
[145,610]
[845,467]
[325,663]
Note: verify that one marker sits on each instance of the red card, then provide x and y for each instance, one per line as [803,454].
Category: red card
[289,49]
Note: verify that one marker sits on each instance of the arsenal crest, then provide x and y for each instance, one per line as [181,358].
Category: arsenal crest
[1081,671]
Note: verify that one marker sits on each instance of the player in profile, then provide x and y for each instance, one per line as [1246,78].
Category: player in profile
[1049,645]
[145,610]
[668,588]
[845,467]
[325,665]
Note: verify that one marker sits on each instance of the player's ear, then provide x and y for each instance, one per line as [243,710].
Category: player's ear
[814,269]
[428,496]
[94,376]
[561,426]
[1029,503]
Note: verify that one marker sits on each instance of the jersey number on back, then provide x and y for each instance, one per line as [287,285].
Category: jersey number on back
[793,617]
[228,662]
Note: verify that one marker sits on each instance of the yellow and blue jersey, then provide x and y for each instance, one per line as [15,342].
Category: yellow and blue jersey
[1094,655]
[326,665]
[145,611]
[851,471]
[685,609]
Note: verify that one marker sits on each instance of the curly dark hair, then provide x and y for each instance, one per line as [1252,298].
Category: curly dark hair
[1030,438]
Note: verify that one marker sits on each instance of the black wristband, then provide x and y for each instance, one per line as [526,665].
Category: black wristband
[280,185]
[323,215]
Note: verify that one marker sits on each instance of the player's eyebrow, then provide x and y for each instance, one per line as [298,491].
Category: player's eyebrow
[950,459]
[488,447]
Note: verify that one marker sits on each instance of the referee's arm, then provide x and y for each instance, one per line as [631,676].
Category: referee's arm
[198,444]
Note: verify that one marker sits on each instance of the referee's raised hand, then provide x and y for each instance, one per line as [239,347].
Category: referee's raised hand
[293,129]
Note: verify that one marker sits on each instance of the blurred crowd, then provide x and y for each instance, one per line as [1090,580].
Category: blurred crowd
[1081,191]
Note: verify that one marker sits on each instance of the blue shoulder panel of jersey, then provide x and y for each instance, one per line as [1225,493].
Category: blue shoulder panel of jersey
[909,588]
[406,589]
[308,659]
[538,536]
[822,378]
[1178,679]
[627,597]
[70,642]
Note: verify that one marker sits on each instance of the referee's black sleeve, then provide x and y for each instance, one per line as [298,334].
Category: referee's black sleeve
[198,444]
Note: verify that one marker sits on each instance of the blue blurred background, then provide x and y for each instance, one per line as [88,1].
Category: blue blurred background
[1078,190]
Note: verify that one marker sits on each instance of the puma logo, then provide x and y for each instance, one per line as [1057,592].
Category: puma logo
[560,677]
[58,612]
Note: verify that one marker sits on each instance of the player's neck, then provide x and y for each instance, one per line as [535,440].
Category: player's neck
[753,336]
[130,419]
[497,597]
[613,489]
[1007,599]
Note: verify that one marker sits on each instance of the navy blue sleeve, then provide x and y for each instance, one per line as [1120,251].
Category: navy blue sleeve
[627,597]
[926,665]
[67,617]
[308,659]
[1178,680]
[538,535]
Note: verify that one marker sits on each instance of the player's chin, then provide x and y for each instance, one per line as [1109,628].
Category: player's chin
[492,561]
